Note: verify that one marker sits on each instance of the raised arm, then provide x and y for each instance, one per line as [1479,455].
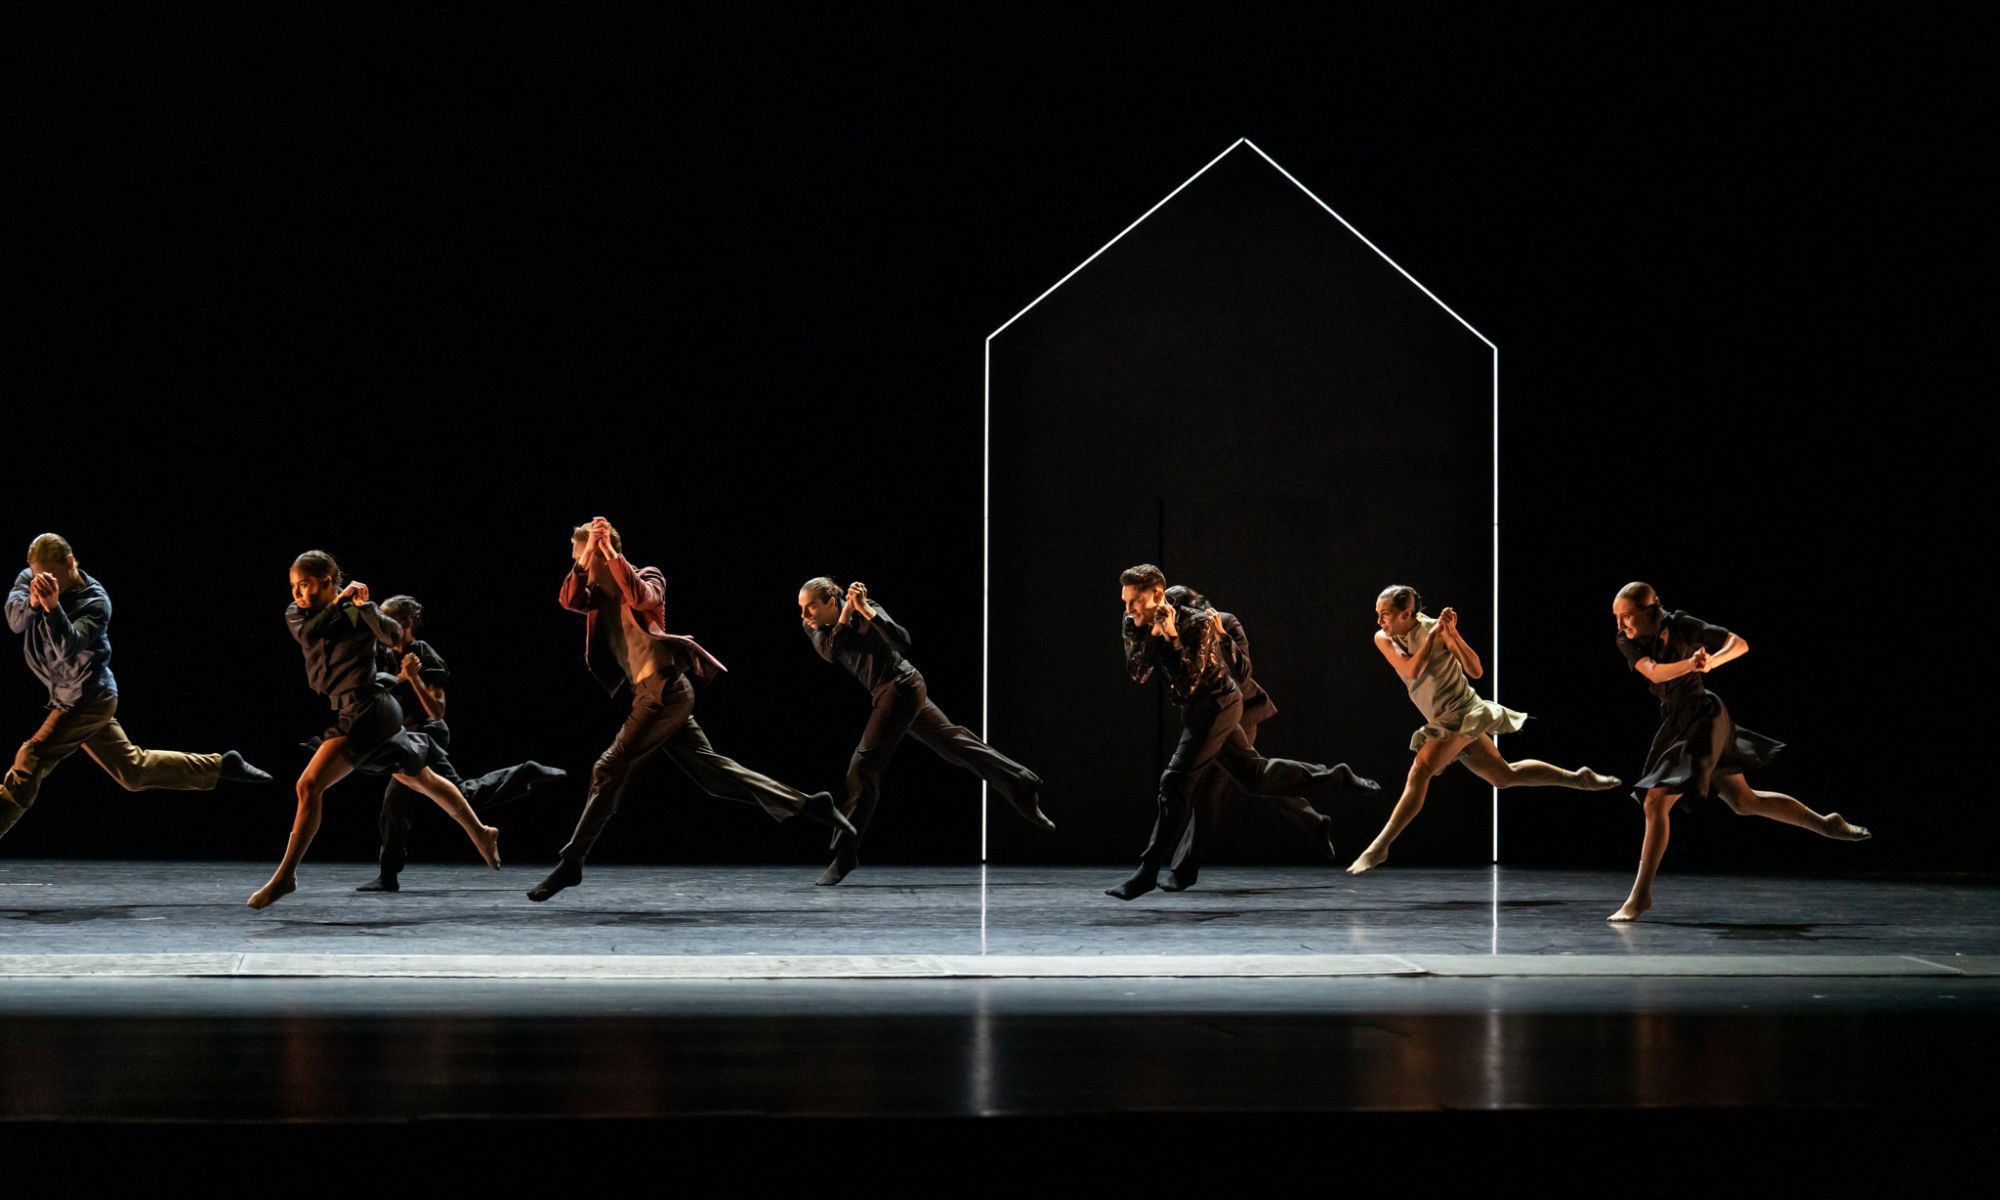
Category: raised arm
[387,630]
[878,617]
[20,609]
[1468,659]
[1406,666]
[427,675]
[642,589]
[63,635]
[575,592]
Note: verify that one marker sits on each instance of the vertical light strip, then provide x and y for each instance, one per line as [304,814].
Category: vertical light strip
[1496,582]
[985,595]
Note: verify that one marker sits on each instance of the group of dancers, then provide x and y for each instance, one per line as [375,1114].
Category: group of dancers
[387,691]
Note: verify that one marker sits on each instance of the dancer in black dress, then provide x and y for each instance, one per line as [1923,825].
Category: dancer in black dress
[848,628]
[338,629]
[1213,785]
[1699,751]
[1184,644]
[421,675]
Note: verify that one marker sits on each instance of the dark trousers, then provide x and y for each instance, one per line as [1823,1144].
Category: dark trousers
[904,708]
[400,804]
[1211,793]
[1212,734]
[662,719]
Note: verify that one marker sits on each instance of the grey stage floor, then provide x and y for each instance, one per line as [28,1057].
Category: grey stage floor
[147,993]
[189,918]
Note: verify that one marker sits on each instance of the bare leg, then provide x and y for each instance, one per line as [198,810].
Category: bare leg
[1434,757]
[485,838]
[329,766]
[1746,802]
[1659,802]
[1484,759]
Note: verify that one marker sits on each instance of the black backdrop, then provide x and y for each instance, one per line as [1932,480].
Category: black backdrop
[425,292]
[1242,390]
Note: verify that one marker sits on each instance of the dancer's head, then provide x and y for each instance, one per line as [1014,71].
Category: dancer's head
[1143,589]
[316,580]
[50,554]
[1183,596]
[406,612]
[1396,609]
[819,600]
[1636,608]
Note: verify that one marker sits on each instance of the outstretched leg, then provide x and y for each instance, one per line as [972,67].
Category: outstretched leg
[62,732]
[329,766]
[1435,756]
[1747,802]
[445,793]
[1484,759]
[1659,802]
[961,747]
[658,708]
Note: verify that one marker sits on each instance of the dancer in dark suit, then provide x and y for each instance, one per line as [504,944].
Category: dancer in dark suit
[421,677]
[1184,644]
[846,627]
[1213,786]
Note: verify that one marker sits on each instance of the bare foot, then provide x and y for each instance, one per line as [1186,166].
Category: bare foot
[488,841]
[270,893]
[1591,781]
[1633,907]
[1839,830]
[1369,860]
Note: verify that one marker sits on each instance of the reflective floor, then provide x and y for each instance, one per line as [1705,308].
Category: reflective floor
[1798,1008]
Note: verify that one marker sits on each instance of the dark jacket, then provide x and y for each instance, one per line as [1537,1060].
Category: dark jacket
[69,650]
[339,644]
[1195,669]
[644,592]
[872,651]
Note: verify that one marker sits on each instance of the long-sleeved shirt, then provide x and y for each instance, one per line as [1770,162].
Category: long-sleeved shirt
[872,651]
[339,643]
[69,649]
[1195,669]
[642,594]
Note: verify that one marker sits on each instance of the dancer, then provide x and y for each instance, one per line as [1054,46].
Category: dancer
[338,628]
[1213,784]
[1434,661]
[1699,749]
[64,617]
[1185,645]
[625,641]
[857,633]
[421,676]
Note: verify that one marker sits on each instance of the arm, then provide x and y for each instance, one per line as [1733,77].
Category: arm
[1240,639]
[430,695]
[1732,650]
[1656,672]
[1407,667]
[20,610]
[642,589]
[64,635]
[575,592]
[309,627]
[895,635]
[1468,659]
[386,629]
[1138,660]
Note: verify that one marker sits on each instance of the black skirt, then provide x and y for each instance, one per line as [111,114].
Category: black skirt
[1698,743]
[377,743]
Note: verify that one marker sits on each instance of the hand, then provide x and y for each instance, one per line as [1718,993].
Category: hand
[356,591]
[413,667]
[1699,662]
[600,538]
[1163,623]
[1448,618]
[857,598]
[43,591]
